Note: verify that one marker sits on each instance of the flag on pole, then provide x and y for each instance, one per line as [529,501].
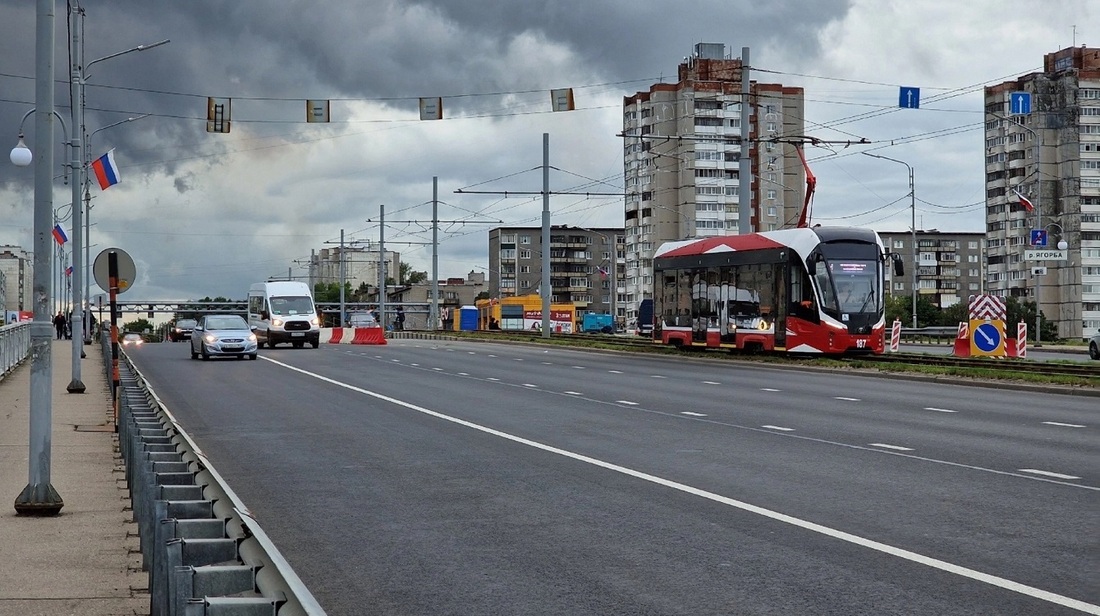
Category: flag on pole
[1024,201]
[105,170]
[69,271]
[60,235]
[602,270]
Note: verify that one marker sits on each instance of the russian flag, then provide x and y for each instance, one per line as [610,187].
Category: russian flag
[105,170]
[69,271]
[60,235]
[1024,201]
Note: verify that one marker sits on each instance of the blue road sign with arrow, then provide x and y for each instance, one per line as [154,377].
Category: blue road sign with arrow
[987,337]
[909,98]
[1019,103]
[1038,237]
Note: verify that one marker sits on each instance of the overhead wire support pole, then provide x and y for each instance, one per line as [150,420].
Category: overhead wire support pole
[912,229]
[546,289]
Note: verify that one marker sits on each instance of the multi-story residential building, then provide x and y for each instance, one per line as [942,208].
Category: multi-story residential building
[682,151]
[16,279]
[361,265]
[454,293]
[1050,154]
[585,265]
[949,266]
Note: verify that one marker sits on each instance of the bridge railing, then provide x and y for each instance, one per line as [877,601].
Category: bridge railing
[15,346]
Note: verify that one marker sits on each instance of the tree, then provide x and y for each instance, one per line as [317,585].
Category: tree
[408,276]
[329,292]
[139,326]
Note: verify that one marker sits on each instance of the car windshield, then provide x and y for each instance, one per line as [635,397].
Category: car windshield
[225,322]
[186,323]
[361,319]
[298,304]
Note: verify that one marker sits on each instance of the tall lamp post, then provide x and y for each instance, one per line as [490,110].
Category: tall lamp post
[912,229]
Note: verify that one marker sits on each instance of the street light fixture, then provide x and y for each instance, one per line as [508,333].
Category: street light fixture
[912,229]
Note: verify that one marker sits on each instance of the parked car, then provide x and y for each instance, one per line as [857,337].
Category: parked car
[223,335]
[1094,345]
[181,330]
[362,319]
[132,339]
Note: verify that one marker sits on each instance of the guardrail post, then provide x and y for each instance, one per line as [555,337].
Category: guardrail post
[211,581]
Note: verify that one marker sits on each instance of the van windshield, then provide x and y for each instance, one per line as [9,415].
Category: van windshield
[291,304]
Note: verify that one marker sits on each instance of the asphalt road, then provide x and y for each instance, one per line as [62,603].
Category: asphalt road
[478,478]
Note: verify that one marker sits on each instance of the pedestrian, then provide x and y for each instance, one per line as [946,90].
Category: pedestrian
[59,324]
[400,320]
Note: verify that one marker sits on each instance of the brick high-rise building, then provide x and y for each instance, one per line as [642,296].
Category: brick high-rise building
[681,158]
[1051,156]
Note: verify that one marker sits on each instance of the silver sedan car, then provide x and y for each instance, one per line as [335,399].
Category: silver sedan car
[223,335]
[1094,346]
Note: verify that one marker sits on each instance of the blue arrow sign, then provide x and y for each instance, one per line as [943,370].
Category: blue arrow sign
[987,337]
[1019,103]
[909,98]
[1038,237]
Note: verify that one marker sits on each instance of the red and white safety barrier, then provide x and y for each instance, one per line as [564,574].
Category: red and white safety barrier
[962,340]
[1021,340]
[352,335]
[895,336]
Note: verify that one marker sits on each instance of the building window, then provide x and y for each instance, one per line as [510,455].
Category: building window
[525,269]
[525,254]
[525,239]
[508,238]
[508,253]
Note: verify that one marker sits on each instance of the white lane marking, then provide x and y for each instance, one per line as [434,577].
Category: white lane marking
[492,378]
[657,376]
[573,393]
[1063,425]
[548,363]
[469,352]
[711,383]
[627,402]
[437,368]
[529,385]
[846,399]
[893,447]
[463,374]
[1047,473]
[579,367]
[414,364]
[517,359]
[935,563]
[768,389]
[615,371]
[780,428]
[397,360]
[491,355]
[932,408]
[692,414]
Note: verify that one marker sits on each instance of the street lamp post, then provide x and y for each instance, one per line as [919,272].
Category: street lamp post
[912,229]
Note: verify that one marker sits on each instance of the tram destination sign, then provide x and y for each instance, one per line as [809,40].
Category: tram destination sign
[1046,254]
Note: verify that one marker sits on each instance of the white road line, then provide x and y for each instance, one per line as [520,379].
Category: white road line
[468,352]
[615,371]
[657,376]
[932,408]
[579,367]
[928,561]
[396,360]
[692,414]
[845,399]
[711,383]
[628,402]
[780,428]
[415,365]
[1063,425]
[893,447]
[529,385]
[768,389]
[517,359]
[492,378]
[437,368]
[573,393]
[1047,473]
[548,363]
[463,374]
[491,355]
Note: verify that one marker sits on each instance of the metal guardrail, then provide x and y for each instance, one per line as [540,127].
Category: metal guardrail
[15,346]
[205,552]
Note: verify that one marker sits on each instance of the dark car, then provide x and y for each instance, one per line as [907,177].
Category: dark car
[181,330]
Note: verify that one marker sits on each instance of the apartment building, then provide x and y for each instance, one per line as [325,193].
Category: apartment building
[585,265]
[1042,138]
[681,157]
[949,268]
[16,279]
[360,262]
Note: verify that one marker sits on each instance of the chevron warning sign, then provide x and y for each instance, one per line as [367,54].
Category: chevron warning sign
[989,307]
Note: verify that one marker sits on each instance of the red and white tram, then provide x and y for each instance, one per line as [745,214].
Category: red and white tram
[806,290]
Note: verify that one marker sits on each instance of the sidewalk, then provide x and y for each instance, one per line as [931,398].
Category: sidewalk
[84,560]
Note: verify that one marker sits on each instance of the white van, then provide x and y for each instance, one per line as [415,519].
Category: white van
[283,312]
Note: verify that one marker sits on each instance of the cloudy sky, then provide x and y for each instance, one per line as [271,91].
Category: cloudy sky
[207,214]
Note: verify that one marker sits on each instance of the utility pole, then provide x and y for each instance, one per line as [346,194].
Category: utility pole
[382,266]
[434,310]
[343,277]
[546,290]
[744,167]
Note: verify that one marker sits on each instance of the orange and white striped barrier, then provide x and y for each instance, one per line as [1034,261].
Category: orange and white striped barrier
[1021,340]
[352,335]
[962,340]
[895,336]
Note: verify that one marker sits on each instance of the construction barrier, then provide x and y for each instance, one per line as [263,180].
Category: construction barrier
[1013,347]
[352,335]
[962,340]
[895,336]
[368,335]
[1021,340]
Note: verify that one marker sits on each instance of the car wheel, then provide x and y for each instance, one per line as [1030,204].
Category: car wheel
[1094,351]
[252,356]
[315,343]
[205,353]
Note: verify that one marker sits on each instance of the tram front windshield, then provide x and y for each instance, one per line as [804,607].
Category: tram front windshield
[851,286]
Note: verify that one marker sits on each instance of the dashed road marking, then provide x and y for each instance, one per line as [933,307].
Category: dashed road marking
[1034,471]
[711,383]
[939,410]
[1063,425]
[693,414]
[615,371]
[492,378]
[574,393]
[892,447]
[846,399]
[529,385]
[768,389]
[657,376]
[463,374]
[780,428]
[579,367]
[627,402]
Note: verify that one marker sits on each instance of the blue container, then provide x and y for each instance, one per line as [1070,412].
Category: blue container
[467,319]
